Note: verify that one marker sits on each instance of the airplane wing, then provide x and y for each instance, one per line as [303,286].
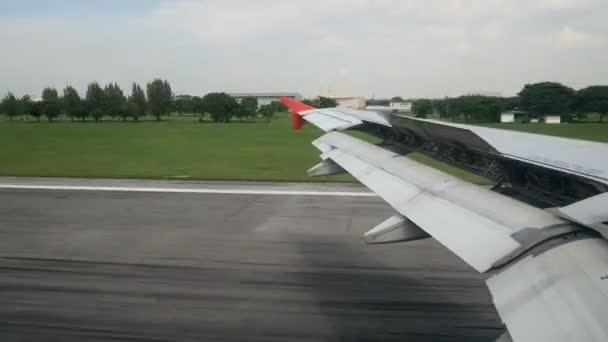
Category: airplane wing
[572,156]
[330,119]
[548,275]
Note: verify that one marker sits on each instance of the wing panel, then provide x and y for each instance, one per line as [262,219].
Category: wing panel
[329,122]
[482,201]
[477,224]
[558,295]
[573,156]
[464,232]
[459,229]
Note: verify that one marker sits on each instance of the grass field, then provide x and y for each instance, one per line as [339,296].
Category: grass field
[187,150]
[180,150]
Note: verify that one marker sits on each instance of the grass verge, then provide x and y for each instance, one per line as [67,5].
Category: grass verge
[243,151]
[164,150]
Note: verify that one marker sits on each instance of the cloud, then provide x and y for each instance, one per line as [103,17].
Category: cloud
[565,4]
[412,48]
[226,21]
[570,38]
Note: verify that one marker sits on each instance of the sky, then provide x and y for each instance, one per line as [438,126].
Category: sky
[381,48]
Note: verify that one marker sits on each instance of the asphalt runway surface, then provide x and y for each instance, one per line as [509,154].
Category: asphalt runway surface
[105,265]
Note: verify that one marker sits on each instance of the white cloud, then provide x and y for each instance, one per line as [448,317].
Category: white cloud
[224,21]
[492,32]
[570,38]
[388,47]
[565,4]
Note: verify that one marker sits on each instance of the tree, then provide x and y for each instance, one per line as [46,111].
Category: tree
[183,104]
[547,98]
[10,105]
[96,102]
[248,107]
[25,104]
[221,106]
[51,103]
[278,107]
[137,102]
[198,107]
[311,102]
[72,104]
[422,108]
[477,108]
[441,107]
[592,99]
[167,97]
[116,101]
[160,97]
[397,99]
[327,102]
[36,110]
[267,111]
[321,102]
[510,103]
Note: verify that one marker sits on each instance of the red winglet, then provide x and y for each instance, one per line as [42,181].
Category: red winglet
[296,108]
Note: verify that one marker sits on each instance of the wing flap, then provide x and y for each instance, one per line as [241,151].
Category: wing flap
[572,156]
[559,295]
[437,217]
[476,224]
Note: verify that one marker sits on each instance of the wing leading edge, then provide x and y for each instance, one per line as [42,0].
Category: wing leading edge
[329,119]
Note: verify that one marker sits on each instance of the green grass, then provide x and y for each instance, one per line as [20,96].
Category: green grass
[164,150]
[449,169]
[426,160]
[182,149]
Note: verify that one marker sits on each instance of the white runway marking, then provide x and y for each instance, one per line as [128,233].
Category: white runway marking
[189,191]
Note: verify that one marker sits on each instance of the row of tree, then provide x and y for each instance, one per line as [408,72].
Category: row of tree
[535,100]
[98,102]
[222,107]
[321,102]
[158,100]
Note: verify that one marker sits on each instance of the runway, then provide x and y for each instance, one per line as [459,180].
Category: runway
[289,265]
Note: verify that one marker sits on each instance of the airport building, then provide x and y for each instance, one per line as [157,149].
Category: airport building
[265,98]
[523,116]
[401,106]
[389,106]
[353,102]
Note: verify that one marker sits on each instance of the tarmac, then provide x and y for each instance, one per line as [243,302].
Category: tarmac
[99,260]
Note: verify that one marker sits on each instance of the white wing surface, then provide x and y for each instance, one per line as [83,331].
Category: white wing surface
[558,295]
[330,119]
[548,276]
[578,157]
[542,294]
[480,226]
